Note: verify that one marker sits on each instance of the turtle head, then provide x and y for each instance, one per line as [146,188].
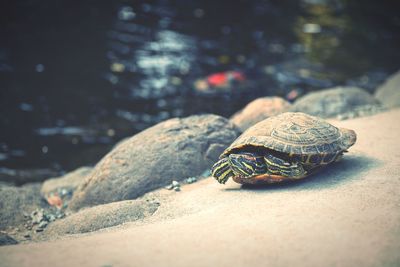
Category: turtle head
[221,170]
[247,164]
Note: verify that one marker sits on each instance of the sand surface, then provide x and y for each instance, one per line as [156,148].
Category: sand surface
[347,215]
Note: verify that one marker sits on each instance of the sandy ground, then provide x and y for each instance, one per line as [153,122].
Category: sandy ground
[347,215]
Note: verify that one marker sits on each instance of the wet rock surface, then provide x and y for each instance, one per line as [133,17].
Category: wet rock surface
[172,150]
[259,110]
[389,92]
[333,102]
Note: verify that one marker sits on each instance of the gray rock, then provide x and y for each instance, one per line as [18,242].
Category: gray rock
[389,92]
[14,201]
[333,102]
[173,149]
[258,110]
[6,240]
[102,216]
[69,181]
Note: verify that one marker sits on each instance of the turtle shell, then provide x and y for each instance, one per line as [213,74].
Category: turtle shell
[295,133]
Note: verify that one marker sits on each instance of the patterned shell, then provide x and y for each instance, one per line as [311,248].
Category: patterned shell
[295,133]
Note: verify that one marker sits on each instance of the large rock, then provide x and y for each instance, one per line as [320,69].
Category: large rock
[389,92]
[333,102]
[171,150]
[258,110]
[102,216]
[69,181]
[14,201]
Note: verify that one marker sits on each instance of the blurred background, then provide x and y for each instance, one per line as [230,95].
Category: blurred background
[78,76]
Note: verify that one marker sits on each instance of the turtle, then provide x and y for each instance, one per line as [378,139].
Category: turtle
[289,146]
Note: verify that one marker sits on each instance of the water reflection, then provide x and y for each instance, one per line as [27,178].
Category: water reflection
[321,29]
[145,62]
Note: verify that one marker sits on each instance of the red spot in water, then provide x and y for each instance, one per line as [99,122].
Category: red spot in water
[222,78]
[217,79]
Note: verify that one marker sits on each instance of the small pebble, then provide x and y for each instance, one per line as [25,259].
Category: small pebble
[27,235]
[177,189]
[43,224]
[169,187]
[175,184]
[37,216]
[51,217]
[38,230]
[191,180]
[64,192]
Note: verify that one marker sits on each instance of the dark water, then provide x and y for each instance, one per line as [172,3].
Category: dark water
[77,76]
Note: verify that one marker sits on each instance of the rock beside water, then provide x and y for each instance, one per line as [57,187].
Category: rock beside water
[333,102]
[258,110]
[171,150]
[389,92]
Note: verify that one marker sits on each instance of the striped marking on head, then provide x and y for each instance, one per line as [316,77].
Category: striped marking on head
[222,171]
[247,164]
[279,166]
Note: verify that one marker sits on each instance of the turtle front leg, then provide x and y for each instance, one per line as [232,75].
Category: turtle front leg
[278,166]
[222,171]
